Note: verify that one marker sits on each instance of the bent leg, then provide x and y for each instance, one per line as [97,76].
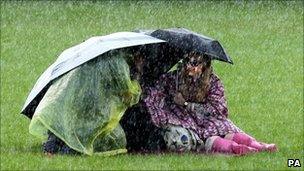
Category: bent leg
[55,145]
[216,144]
[242,138]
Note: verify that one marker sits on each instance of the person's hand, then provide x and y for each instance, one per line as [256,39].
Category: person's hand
[179,99]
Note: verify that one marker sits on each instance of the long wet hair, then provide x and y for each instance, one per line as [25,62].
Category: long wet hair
[194,89]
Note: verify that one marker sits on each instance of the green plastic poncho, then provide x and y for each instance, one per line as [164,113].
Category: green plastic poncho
[84,106]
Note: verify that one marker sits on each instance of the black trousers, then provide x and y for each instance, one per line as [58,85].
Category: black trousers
[142,135]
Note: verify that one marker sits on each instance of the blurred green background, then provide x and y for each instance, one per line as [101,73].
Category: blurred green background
[264,88]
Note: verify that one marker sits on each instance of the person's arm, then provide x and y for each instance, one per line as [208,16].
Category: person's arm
[161,91]
[214,103]
[168,83]
[155,98]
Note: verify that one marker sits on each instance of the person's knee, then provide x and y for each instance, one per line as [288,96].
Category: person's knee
[240,138]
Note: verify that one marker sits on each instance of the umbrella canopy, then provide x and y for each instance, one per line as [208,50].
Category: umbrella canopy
[78,55]
[159,56]
[189,41]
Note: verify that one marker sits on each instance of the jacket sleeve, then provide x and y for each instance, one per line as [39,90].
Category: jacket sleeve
[214,103]
[155,99]
[167,85]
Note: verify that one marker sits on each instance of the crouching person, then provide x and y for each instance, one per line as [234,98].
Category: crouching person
[80,111]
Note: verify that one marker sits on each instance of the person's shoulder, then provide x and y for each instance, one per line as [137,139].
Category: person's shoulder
[214,77]
[215,80]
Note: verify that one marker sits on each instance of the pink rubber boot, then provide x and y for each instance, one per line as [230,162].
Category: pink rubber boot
[242,138]
[217,144]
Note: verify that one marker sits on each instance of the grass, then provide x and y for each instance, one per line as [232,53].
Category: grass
[264,88]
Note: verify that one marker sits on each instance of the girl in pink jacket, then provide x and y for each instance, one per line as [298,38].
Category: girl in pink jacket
[189,104]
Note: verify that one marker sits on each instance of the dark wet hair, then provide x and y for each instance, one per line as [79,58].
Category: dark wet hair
[206,58]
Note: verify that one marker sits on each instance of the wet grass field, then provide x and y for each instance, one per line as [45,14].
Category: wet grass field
[264,88]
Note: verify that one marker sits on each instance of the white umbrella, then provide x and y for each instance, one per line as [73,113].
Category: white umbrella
[81,53]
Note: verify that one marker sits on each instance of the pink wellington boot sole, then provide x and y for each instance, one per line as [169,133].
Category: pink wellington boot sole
[269,147]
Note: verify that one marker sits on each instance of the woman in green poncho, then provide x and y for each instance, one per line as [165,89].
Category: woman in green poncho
[81,110]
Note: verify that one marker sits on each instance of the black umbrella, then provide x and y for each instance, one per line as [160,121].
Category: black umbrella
[158,59]
[188,41]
